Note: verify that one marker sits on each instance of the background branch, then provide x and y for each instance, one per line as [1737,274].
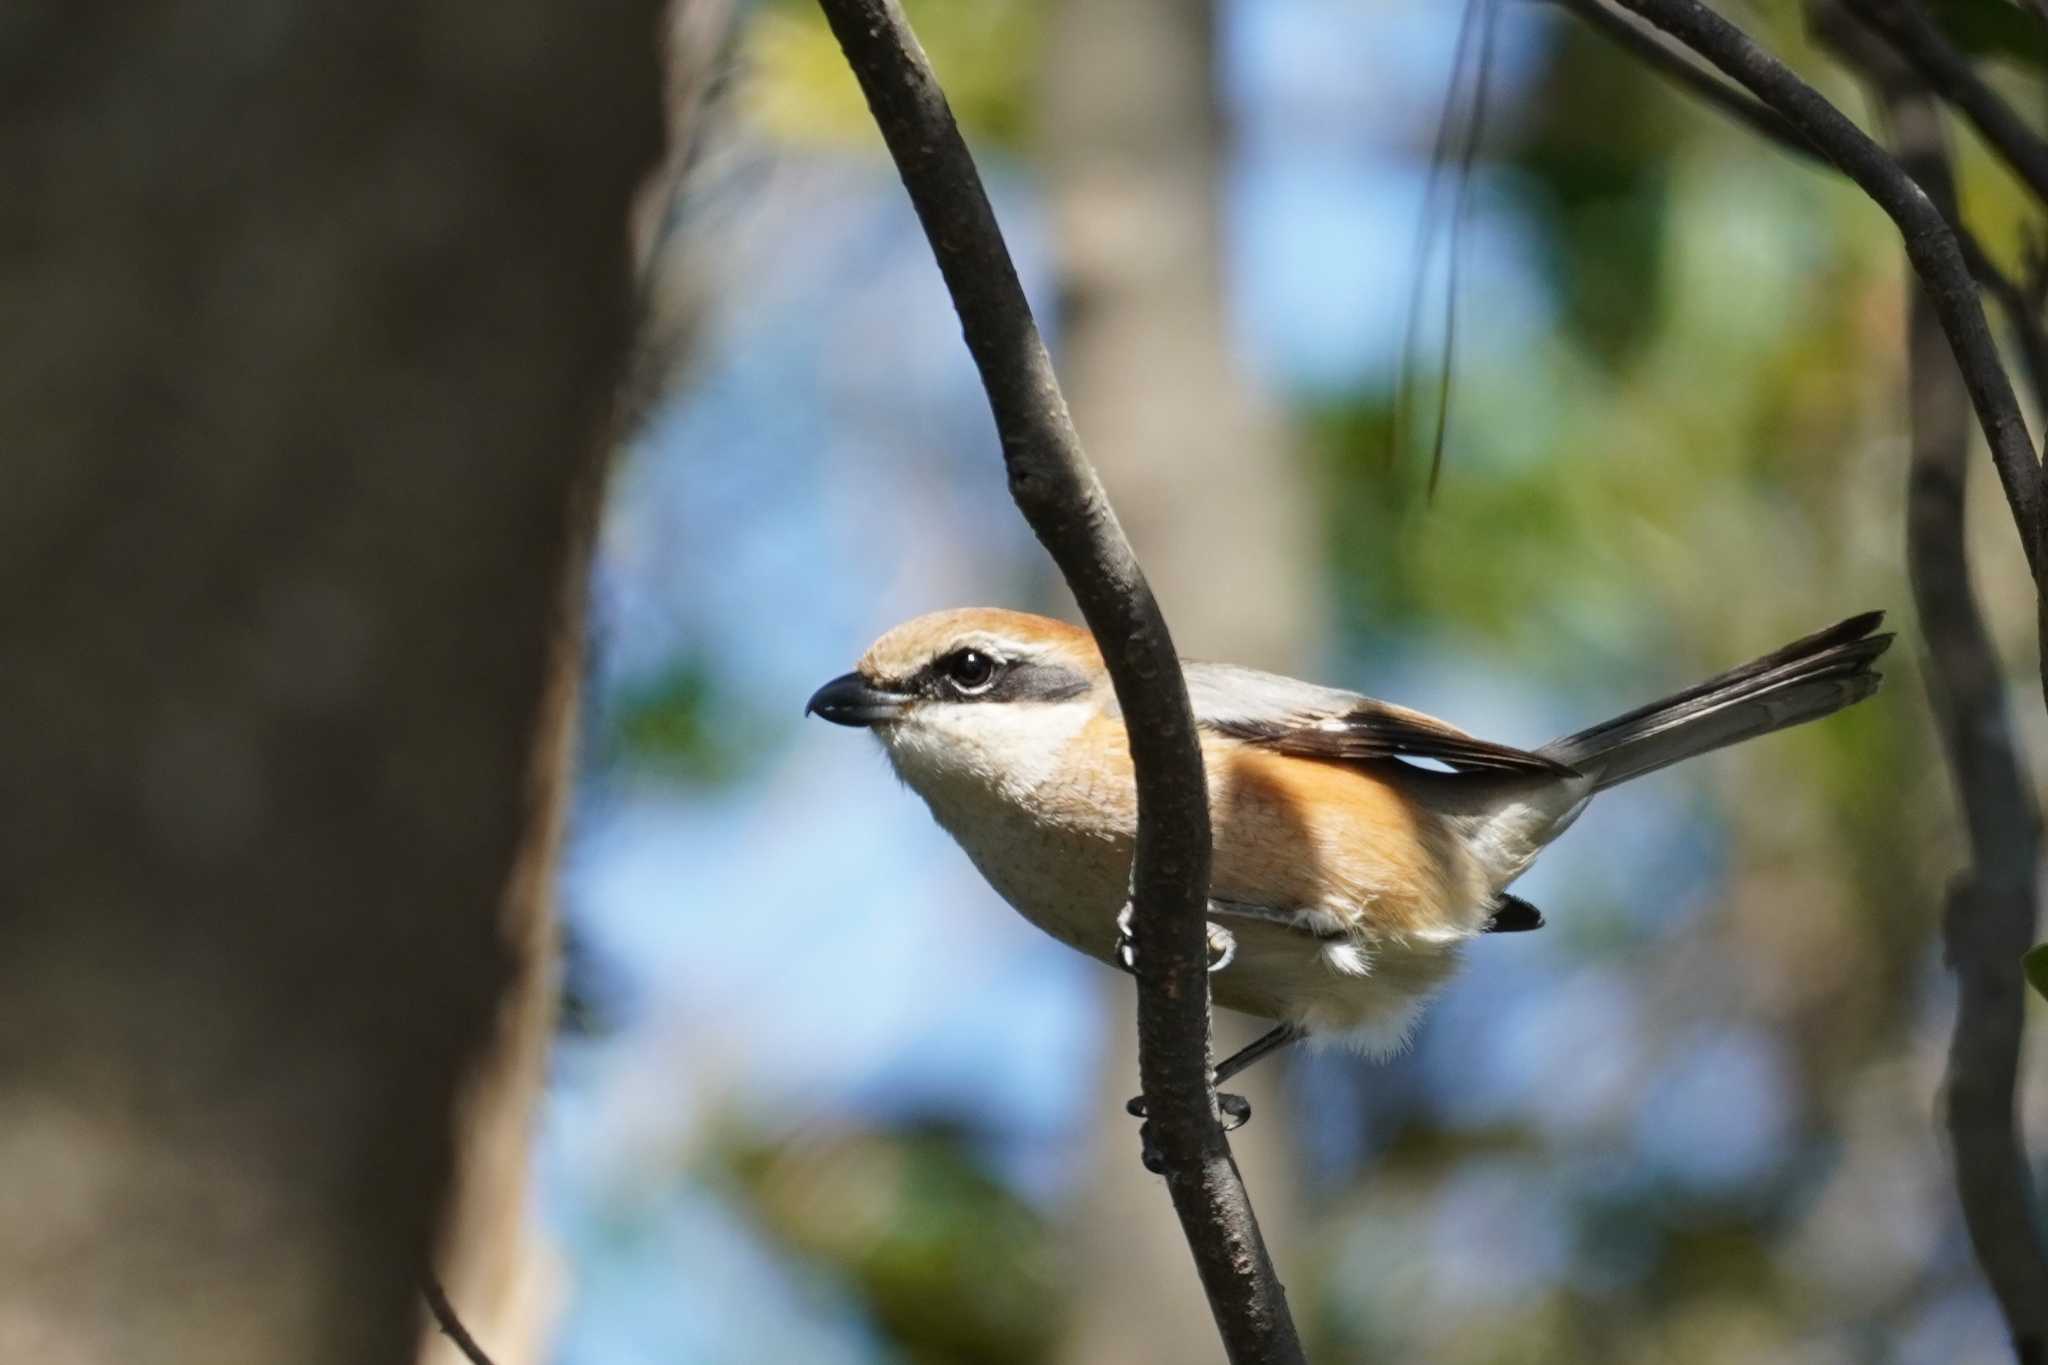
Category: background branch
[2021,314]
[1947,72]
[1931,245]
[1990,914]
[449,1324]
[1058,492]
[1991,909]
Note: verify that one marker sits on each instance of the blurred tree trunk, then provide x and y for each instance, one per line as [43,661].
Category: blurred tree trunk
[500,1275]
[314,319]
[1217,510]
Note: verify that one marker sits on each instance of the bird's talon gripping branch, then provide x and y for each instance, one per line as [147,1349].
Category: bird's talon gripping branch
[1148,1151]
[1222,948]
[1234,1111]
[1222,944]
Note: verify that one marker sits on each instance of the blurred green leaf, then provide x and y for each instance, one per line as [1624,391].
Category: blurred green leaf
[1601,190]
[1994,28]
[798,89]
[2036,963]
[677,724]
[956,1268]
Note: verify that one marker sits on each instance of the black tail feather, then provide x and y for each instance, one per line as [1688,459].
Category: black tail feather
[1807,679]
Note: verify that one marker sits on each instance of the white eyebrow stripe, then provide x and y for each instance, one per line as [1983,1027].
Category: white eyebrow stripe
[1000,645]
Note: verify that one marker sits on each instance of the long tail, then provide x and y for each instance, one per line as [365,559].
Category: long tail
[1807,679]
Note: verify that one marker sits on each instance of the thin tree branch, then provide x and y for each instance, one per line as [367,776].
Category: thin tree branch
[1949,74]
[1990,917]
[2021,313]
[1990,913]
[1057,491]
[1931,245]
[1695,80]
[451,1325]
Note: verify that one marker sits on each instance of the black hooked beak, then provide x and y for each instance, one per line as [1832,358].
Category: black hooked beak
[852,700]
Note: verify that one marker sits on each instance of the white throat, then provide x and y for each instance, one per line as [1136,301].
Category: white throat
[974,753]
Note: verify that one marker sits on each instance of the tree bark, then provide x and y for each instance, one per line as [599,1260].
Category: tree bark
[316,314]
[500,1276]
[1988,921]
[1931,248]
[1133,145]
[1057,491]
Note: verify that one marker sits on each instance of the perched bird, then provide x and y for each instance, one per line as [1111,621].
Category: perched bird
[1347,877]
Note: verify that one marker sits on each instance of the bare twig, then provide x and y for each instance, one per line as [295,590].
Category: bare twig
[1931,245]
[451,1325]
[1990,916]
[1948,73]
[1056,489]
[1990,913]
[1675,67]
[2022,313]
[1991,907]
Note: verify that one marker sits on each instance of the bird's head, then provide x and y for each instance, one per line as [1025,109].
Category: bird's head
[979,696]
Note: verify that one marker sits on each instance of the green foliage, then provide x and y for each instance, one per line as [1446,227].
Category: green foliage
[2036,962]
[1994,28]
[955,1268]
[677,724]
[797,87]
[1604,191]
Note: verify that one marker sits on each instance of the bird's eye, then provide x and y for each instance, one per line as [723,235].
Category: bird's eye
[970,670]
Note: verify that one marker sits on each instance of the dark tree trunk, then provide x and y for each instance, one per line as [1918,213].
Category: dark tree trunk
[313,313]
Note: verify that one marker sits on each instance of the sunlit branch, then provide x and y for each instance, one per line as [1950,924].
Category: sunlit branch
[1059,495]
[1990,913]
[1931,245]
[2021,314]
[1948,73]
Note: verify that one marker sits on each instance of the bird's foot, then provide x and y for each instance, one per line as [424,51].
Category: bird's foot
[1222,943]
[1234,1111]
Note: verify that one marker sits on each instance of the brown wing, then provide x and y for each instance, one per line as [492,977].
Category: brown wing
[1379,730]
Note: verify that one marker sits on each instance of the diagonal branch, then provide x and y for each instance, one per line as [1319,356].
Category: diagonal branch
[450,1325]
[1930,244]
[1990,917]
[1991,910]
[1056,489]
[1671,64]
[1947,72]
[2021,314]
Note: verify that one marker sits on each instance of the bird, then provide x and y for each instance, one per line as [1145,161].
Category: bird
[1359,846]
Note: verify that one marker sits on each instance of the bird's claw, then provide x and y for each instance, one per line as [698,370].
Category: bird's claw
[1233,1111]
[1236,1108]
[1222,943]
[1148,1151]
[1222,948]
